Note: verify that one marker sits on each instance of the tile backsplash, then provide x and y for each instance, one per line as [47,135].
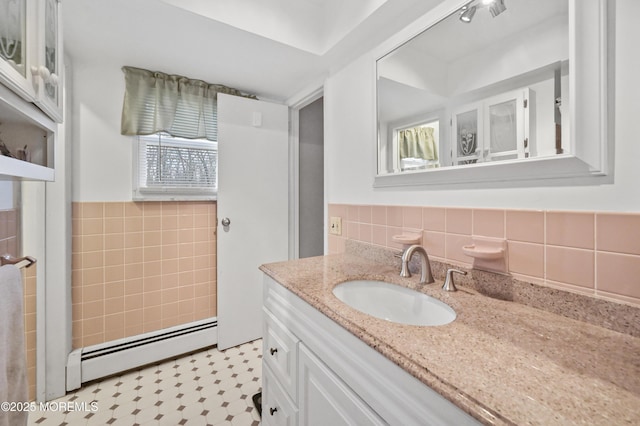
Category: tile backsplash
[141,267]
[593,253]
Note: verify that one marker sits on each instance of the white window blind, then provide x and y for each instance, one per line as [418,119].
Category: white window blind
[176,168]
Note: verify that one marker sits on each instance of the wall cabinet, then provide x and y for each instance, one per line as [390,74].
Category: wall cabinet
[317,373]
[30,87]
[494,129]
[27,139]
[31,52]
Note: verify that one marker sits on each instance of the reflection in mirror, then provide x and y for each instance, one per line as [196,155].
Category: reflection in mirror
[486,84]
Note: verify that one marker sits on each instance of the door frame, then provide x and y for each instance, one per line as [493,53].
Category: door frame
[295,105]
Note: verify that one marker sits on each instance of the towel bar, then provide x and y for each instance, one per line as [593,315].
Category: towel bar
[20,262]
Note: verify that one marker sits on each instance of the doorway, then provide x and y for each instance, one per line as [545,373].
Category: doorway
[311,179]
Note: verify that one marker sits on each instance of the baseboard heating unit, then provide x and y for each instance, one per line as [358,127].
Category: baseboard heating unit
[94,362]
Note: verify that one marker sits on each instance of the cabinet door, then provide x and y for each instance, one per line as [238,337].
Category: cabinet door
[15,34]
[280,353]
[325,399]
[507,126]
[495,129]
[47,66]
[277,408]
[467,126]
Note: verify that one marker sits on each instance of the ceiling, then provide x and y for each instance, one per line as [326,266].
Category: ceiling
[272,48]
[314,26]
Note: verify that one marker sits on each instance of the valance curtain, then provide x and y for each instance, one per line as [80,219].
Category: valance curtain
[182,107]
[417,142]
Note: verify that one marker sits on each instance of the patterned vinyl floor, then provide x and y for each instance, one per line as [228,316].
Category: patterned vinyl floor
[210,387]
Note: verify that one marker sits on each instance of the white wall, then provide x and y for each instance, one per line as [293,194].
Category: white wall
[102,157]
[350,144]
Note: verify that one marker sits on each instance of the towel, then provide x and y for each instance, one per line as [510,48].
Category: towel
[13,371]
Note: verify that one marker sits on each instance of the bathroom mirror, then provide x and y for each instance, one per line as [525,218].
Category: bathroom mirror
[495,90]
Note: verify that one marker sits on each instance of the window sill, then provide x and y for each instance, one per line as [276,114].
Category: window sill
[168,196]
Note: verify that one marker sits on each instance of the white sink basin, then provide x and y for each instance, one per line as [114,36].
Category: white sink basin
[394,303]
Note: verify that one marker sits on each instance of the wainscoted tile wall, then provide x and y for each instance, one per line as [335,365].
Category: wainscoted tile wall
[8,232]
[595,253]
[29,280]
[9,235]
[141,267]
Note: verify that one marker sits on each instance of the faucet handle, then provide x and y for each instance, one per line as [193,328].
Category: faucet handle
[449,285]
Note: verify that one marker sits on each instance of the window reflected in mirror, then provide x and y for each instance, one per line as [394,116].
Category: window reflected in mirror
[418,146]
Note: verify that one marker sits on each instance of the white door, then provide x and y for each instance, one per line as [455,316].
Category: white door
[253,199]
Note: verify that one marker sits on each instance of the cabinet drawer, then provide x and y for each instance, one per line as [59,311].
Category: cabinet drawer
[280,353]
[277,407]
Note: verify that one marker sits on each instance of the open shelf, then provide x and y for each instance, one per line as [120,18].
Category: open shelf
[11,167]
[22,125]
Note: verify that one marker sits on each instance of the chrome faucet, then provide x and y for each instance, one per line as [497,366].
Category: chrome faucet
[426,277]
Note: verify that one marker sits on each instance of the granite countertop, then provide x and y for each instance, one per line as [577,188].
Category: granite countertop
[500,361]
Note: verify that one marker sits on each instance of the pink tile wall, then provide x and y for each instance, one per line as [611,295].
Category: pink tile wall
[29,281]
[8,232]
[587,252]
[141,267]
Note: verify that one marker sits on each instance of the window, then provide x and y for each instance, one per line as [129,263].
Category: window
[417,146]
[175,123]
[175,168]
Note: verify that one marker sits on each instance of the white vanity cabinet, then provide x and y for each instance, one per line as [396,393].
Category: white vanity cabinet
[325,399]
[31,52]
[277,407]
[298,388]
[317,373]
[279,373]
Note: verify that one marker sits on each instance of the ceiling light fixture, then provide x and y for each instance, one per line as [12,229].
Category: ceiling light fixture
[496,7]
[466,14]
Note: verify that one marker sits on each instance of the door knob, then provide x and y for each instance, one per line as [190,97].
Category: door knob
[226,221]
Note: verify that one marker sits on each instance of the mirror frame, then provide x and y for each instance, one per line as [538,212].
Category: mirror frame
[591,102]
